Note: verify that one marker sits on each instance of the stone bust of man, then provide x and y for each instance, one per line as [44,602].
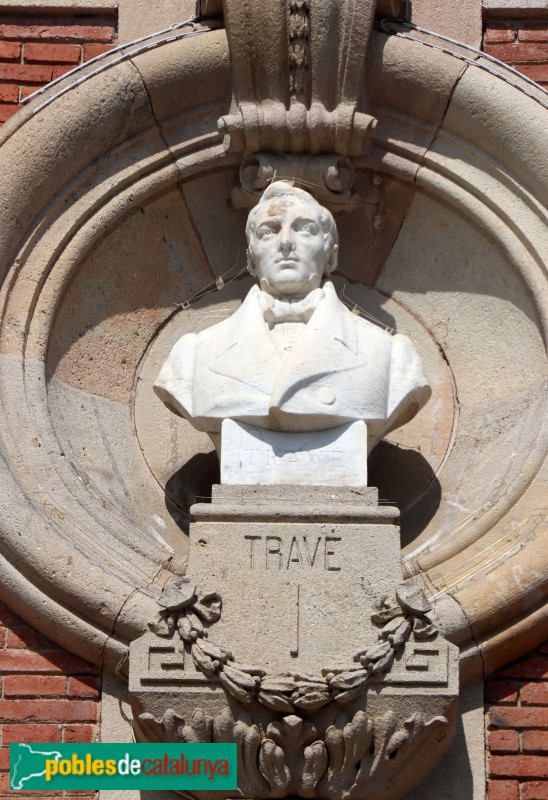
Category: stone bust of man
[293,357]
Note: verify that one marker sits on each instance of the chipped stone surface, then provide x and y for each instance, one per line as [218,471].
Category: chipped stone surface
[461,772]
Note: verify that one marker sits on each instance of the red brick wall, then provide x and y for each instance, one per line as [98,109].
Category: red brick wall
[518,729]
[36,48]
[46,695]
[522,43]
[517,696]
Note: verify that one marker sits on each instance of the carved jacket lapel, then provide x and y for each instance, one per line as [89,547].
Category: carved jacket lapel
[245,351]
[328,345]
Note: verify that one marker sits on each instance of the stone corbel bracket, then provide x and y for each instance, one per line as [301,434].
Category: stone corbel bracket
[297,69]
[370,728]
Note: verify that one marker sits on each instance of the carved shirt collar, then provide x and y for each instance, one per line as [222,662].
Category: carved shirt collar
[289,309]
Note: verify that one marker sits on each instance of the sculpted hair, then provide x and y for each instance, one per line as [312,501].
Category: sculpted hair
[287,190]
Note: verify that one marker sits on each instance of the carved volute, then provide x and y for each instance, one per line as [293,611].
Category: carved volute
[297,69]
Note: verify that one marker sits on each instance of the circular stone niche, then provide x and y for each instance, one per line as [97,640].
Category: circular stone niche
[141,288]
[151,279]
[124,255]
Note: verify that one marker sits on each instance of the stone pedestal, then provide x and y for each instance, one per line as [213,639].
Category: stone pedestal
[294,636]
[334,457]
[298,570]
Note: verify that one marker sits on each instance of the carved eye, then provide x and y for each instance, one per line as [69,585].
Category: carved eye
[309,227]
[264,230]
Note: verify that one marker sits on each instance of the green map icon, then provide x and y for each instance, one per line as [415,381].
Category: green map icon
[28,762]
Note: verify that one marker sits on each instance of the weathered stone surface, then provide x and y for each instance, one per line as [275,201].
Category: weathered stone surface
[304,574]
[49,170]
[337,457]
[120,310]
[177,595]
[461,768]
[470,249]
[282,74]
[486,404]
[139,152]
[165,82]
[461,772]
[86,178]
[412,598]
[486,408]
[138,18]
[253,497]
[462,22]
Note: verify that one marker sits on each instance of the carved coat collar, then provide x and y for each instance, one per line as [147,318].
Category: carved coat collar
[246,353]
[246,329]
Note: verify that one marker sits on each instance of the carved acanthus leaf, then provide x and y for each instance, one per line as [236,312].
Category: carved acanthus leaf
[363,752]
[355,755]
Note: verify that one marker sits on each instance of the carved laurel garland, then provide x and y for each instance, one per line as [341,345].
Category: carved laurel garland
[190,612]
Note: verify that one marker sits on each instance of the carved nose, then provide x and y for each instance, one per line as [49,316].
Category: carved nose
[286,243]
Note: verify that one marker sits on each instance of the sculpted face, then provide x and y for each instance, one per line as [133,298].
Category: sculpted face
[289,251]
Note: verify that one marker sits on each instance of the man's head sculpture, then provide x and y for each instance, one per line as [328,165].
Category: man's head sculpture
[292,241]
[293,357]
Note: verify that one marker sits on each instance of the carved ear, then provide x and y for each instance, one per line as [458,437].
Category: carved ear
[333,260]
[250,265]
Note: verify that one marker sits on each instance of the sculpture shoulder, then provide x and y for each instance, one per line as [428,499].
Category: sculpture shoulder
[403,349]
[406,373]
[409,388]
[370,330]
[180,350]
[174,382]
[178,369]
[214,332]
[191,341]
[399,344]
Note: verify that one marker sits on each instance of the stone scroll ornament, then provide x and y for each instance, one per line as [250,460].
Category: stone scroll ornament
[289,103]
[354,757]
[287,96]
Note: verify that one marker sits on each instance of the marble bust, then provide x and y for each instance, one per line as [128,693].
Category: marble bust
[293,357]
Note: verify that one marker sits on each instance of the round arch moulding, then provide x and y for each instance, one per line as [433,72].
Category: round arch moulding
[458,151]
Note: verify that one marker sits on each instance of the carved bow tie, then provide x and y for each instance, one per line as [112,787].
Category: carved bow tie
[276,310]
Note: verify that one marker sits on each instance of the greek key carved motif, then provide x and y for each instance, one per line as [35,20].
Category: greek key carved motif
[189,613]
